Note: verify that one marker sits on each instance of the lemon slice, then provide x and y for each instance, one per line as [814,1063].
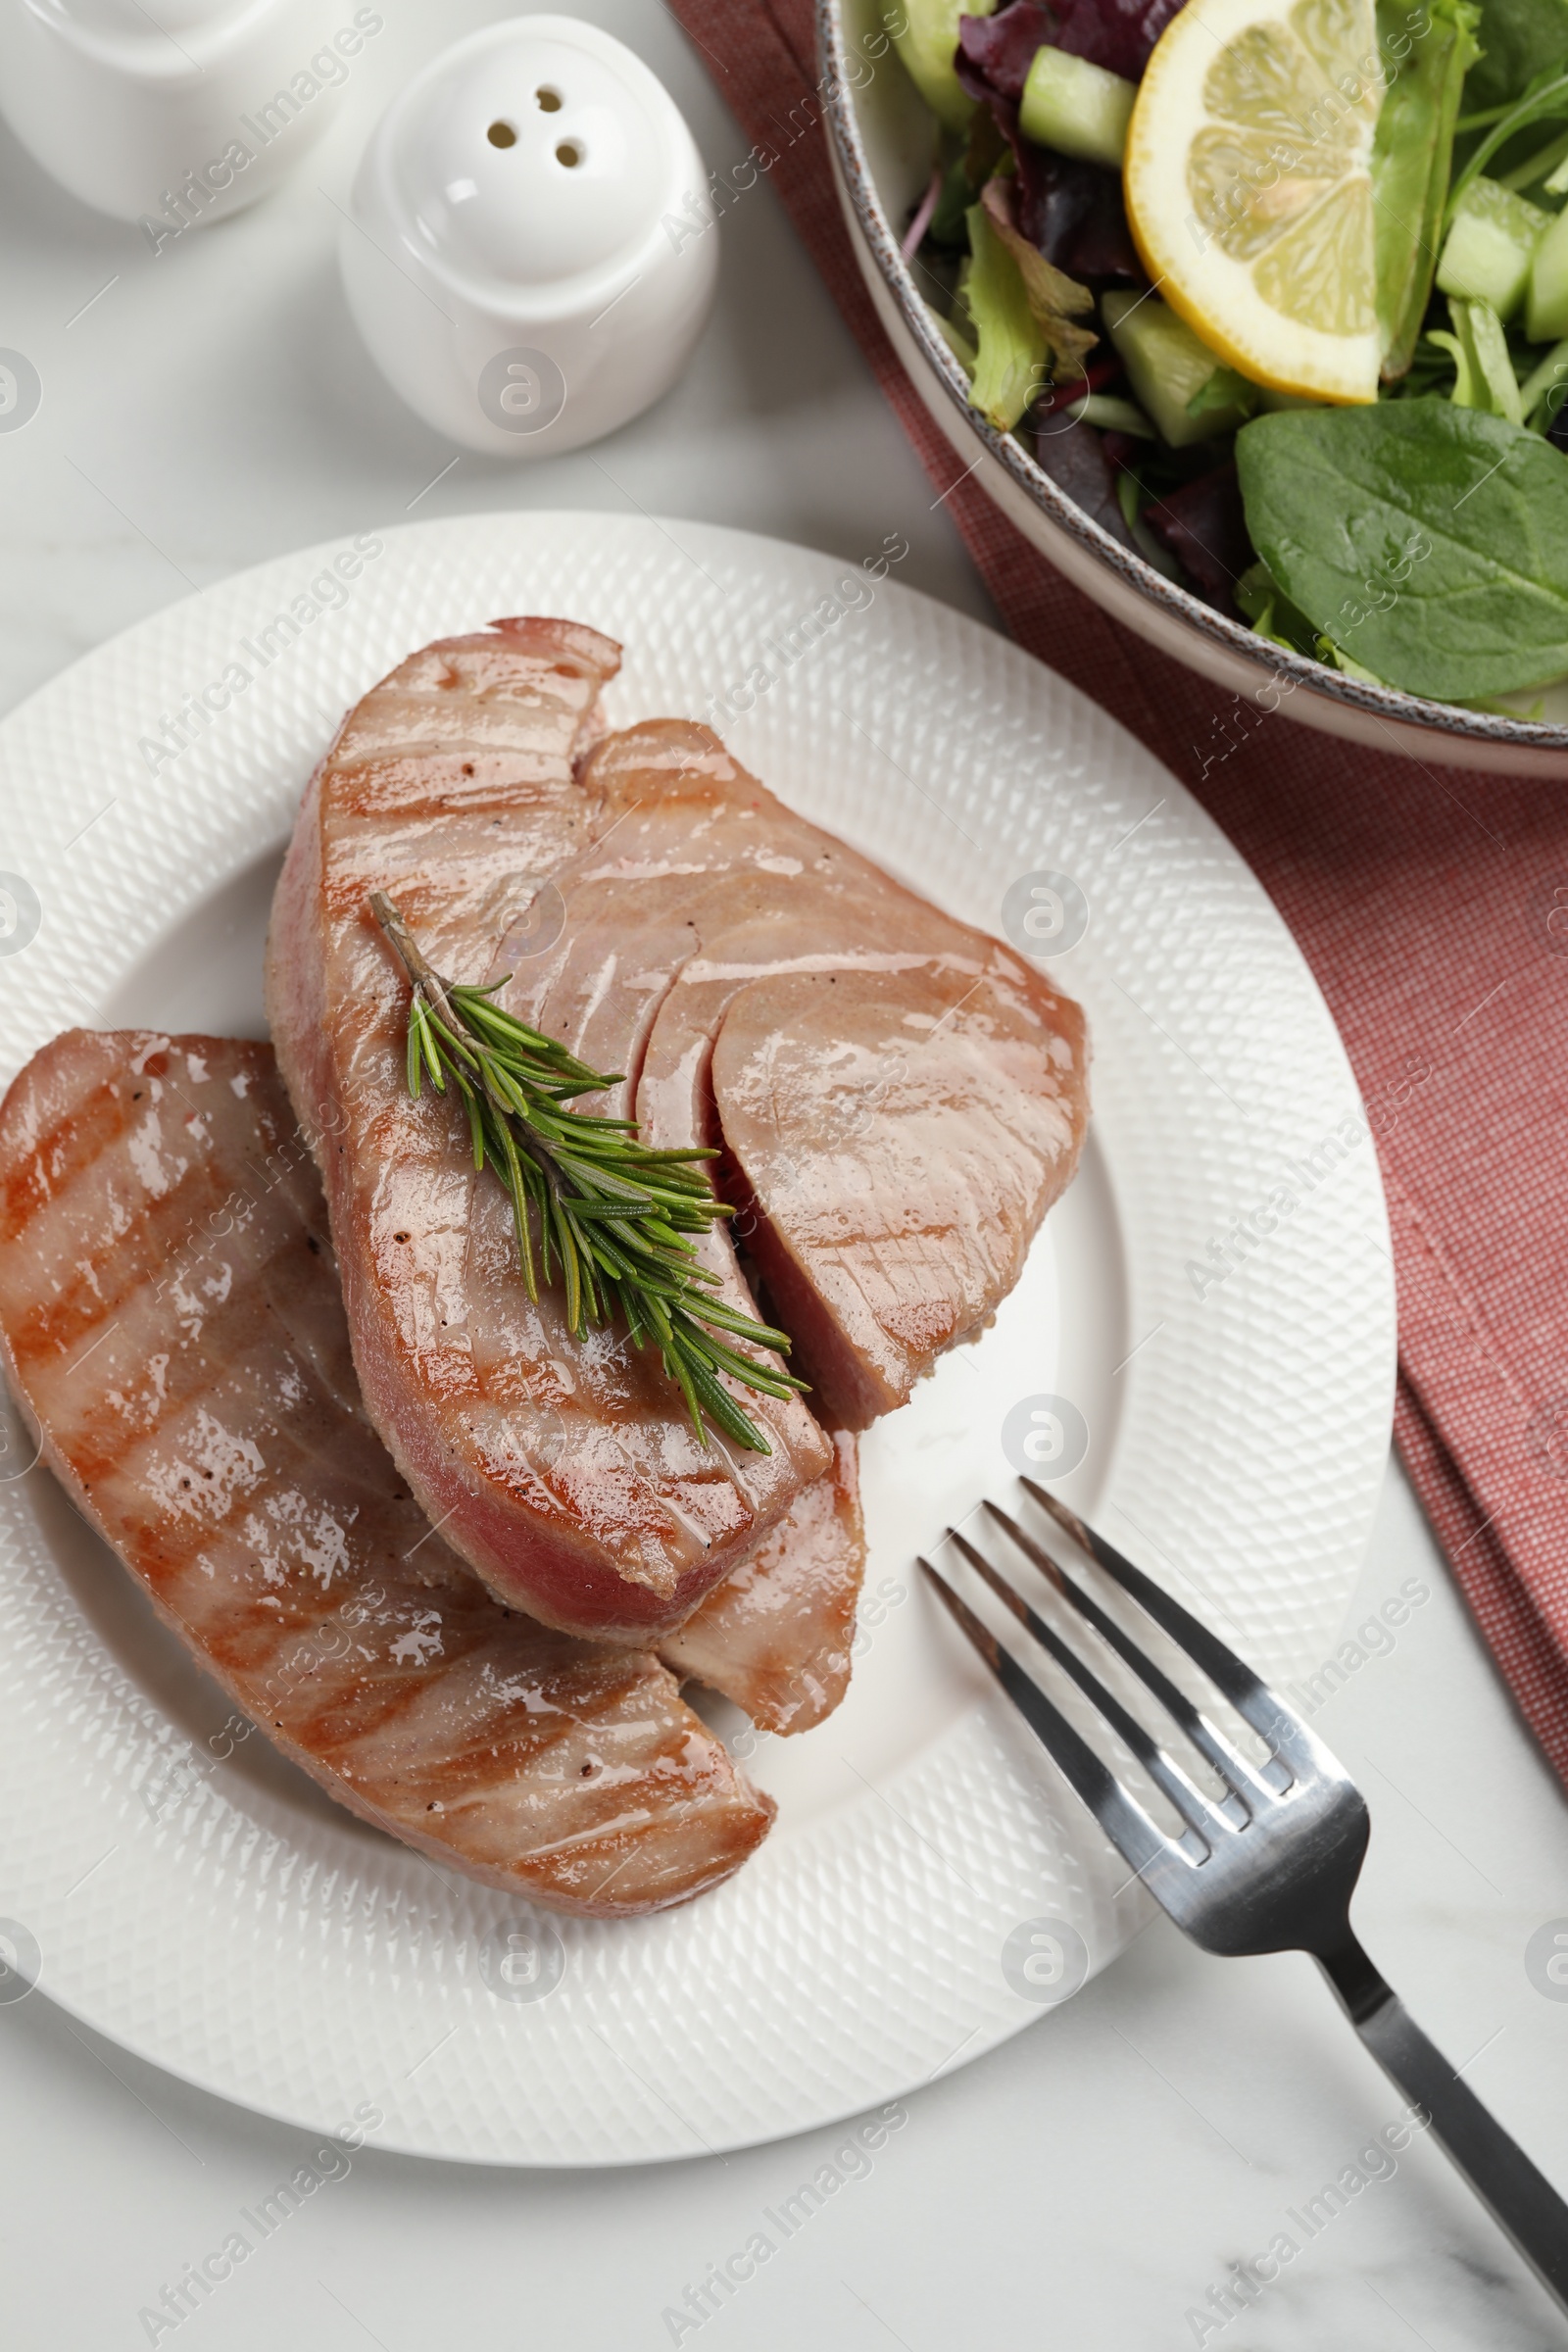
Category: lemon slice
[1248,189]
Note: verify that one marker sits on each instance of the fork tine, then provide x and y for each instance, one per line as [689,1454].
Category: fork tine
[1189,1802]
[1142,1847]
[1247,1692]
[1210,1743]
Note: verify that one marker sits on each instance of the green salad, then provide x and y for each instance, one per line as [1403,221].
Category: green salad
[1277,292]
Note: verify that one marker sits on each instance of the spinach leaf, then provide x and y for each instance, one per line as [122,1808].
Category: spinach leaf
[1412,152]
[1429,541]
[1519,40]
[1261,600]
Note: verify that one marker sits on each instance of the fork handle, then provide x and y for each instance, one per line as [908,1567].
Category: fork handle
[1520,2200]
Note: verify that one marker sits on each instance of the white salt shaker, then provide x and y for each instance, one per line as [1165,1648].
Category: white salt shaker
[531,259]
[176,115]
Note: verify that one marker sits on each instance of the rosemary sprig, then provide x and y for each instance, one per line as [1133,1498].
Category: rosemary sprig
[586,1195]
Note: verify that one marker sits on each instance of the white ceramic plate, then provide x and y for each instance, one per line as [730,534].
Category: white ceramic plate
[262,1942]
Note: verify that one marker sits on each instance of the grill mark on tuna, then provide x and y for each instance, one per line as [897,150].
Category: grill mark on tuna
[466,1730]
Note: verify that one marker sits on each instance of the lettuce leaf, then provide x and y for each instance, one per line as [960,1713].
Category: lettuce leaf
[1056,300]
[1013,350]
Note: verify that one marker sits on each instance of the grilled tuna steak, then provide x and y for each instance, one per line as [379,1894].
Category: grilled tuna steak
[172,1326]
[565,1472]
[900,1098]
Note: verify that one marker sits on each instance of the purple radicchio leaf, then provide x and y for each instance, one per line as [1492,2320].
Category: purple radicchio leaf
[1206,530]
[1075,458]
[1119,35]
[1002,48]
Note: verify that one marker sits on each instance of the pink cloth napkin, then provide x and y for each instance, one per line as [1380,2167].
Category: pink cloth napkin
[1423,899]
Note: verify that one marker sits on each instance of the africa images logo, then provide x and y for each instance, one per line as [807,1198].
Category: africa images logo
[328,592]
[20,391]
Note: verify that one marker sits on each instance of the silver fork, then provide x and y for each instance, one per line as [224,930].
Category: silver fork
[1268,1867]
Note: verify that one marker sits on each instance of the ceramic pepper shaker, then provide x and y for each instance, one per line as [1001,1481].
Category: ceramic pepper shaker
[530,258]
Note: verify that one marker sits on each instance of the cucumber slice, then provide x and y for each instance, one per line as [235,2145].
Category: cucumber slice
[1491,246]
[1547,318]
[1113,415]
[1169,366]
[927,39]
[1076,108]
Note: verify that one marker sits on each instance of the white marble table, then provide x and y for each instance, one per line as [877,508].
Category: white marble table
[1091,2183]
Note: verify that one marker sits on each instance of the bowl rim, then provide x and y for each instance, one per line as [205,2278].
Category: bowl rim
[1277,662]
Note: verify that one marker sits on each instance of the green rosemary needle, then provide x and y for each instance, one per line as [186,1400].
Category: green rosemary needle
[587,1197]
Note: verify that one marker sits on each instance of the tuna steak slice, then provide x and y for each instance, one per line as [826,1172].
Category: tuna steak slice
[901,1144]
[565,1473]
[775,1635]
[902,1096]
[172,1326]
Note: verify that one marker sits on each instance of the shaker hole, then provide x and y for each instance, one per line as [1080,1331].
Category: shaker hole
[502,134]
[550,101]
[569,154]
